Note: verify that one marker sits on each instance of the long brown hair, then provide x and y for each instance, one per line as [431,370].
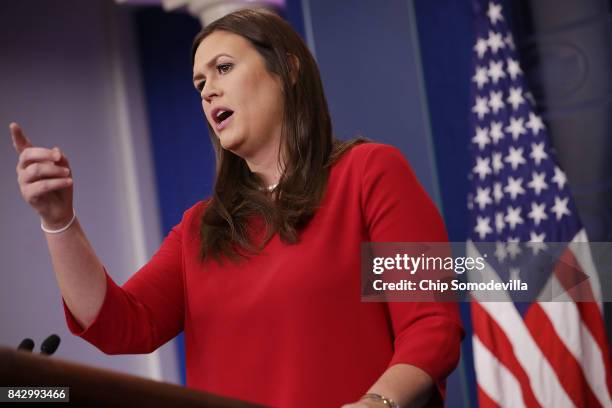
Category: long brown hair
[306,135]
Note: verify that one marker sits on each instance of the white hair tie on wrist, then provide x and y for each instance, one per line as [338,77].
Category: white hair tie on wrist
[64,228]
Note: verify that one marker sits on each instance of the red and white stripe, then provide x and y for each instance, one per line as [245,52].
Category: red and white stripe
[502,389]
[556,356]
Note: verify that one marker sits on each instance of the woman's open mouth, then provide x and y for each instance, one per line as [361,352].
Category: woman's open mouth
[222,117]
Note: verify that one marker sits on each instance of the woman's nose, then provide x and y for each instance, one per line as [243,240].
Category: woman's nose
[209,91]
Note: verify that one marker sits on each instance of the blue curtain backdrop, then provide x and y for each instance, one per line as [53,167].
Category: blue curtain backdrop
[183,158]
[446,35]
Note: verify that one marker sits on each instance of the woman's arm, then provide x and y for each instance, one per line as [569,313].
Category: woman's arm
[79,273]
[45,181]
[427,335]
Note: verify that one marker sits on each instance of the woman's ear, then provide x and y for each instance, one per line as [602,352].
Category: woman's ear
[294,67]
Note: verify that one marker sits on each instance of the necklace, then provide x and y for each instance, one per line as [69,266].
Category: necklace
[268,188]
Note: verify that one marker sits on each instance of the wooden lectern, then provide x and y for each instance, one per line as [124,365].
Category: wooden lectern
[97,387]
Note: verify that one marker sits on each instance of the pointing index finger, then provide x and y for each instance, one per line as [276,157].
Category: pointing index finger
[20,141]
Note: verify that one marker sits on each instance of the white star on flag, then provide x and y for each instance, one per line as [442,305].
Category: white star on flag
[495,42]
[516,98]
[516,127]
[495,13]
[482,167]
[481,47]
[499,222]
[513,216]
[480,108]
[497,164]
[536,242]
[513,248]
[514,187]
[500,251]
[509,41]
[535,123]
[537,182]
[481,138]
[496,102]
[483,197]
[529,97]
[498,193]
[496,72]
[495,132]
[515,157]
[481,77]
[560,208]
[537,213]
[559,178]
[537,152]
[514,69]
[483,228]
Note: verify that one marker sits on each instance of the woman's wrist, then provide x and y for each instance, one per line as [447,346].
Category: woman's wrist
[57,227]
[383,400]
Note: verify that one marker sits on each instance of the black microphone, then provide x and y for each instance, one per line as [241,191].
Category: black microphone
[26,344]
[50,344]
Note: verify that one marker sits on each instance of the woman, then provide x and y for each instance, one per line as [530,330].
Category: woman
[263,277]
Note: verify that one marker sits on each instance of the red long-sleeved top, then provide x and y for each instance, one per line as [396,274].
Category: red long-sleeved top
[287,328]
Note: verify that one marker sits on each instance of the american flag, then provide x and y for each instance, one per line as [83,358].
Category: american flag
[537,354]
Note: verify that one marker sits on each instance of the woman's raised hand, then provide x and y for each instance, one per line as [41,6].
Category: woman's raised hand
[45,179]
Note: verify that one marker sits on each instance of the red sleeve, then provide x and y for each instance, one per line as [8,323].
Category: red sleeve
[147,311]
[397,209]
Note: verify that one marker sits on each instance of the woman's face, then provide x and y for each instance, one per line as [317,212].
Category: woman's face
[242,100]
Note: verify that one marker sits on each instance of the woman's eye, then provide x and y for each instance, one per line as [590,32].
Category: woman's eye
[221,68]
[224,68]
